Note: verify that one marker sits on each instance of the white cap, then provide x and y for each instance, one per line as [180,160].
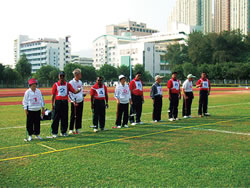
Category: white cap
[191,76]
[158,76]
[121,76]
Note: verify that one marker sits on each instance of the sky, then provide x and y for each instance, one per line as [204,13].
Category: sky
[83,20]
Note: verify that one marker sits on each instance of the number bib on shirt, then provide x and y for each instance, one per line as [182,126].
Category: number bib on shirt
[62,90]
[159,90]
[100,92]
[35,100]
[205,84]
[138,85]
[124,93]
[176,85]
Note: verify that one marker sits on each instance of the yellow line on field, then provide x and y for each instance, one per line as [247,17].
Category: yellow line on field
[15,146]
[115,140]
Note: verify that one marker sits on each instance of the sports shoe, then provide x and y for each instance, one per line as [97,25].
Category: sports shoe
[176,119]
[200,116]
[190,116]
[185,117]
[54,135]
[64,134]
[171,119]
[155,121]
[30,138]
[141,123]
[70,131]
[126,126]
[206,114]
[38,137]
[95,130]
[119,126]
[75,133]
[133,123]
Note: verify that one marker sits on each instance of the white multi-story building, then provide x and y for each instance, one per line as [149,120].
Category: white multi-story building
[240,15]
[122,50]
[42,52]
[84,61]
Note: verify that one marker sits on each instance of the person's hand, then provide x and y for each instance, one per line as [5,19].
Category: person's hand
[43,112]
[26,112]
[118,101]
[76,104]
[185,97]
[131,102]
[107,105]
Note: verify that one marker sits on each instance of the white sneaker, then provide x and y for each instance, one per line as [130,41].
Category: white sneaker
[141,123]
[38,137]
[134,123]
[54,136]
[126,126]
[190,116]
[206,114]
[171,119]
[64,134]
[119,126]
[176,119]
[95,130]
[30,138]
[155,121]
[70,131]
[185,117]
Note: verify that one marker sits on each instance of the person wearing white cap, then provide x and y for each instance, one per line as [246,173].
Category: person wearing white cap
[32,104]
[156,95]
[188,96]
[123,97]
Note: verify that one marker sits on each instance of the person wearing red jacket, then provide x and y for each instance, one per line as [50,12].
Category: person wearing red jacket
[99,94]
[60,92]
[205,88]
[174,96]
[136,90]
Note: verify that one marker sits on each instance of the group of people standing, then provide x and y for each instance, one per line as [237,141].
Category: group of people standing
[125,94]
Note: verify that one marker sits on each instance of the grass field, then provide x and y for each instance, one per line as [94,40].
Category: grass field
[198,152]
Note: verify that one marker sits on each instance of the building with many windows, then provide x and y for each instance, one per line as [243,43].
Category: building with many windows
[84,61]
[127,49]
[221,15]
[41,52]
[136,29]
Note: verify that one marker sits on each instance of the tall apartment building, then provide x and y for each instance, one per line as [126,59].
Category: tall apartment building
[240,15]
[136,29]
[221,15]
[196,13]
[46,51]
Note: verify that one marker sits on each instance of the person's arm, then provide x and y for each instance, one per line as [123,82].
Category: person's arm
[169,86]
[117,94]
[184,94]
[70,87]
[199,84]
[209,88]
[106,97]
[152,93]
[25,103]
[42,103]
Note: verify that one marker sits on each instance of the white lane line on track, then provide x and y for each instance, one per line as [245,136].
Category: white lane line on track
[110,119]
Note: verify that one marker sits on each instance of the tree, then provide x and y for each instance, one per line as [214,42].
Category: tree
[123,70]
[108,72]
[146,76]
[1,71]
[10,75]
[47,73]
[189,68]
[23,67]
[69,68]
[88,73]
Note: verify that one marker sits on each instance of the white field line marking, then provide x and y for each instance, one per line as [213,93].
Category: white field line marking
[213,130]
[110,119]
[47,146]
